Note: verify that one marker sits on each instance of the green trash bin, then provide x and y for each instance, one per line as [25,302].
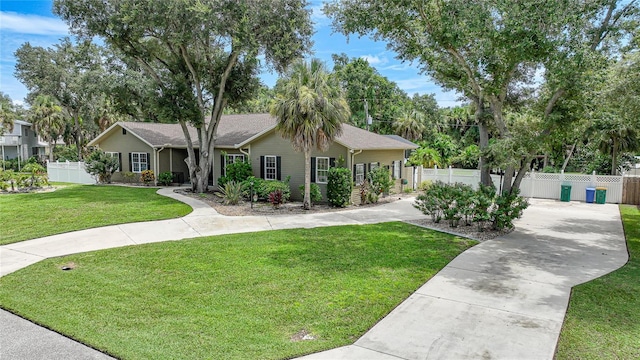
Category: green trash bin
[601,195]
[565,193]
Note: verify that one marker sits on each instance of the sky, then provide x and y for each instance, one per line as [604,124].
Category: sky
[33,21]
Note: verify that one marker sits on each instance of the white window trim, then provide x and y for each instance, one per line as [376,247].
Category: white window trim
[139,162]
[326,171]
[275,167]
[359,176]
[115,155]
[235,158]
[397,169]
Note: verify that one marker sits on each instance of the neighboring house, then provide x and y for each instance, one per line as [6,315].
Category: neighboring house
[21,143]
[252,137]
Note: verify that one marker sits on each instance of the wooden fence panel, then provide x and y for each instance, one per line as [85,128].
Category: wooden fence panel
[631,190]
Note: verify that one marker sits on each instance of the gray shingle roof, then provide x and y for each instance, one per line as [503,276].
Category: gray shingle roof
[236,129]
[360,139]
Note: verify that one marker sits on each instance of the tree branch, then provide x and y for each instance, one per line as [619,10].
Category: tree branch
[196,80]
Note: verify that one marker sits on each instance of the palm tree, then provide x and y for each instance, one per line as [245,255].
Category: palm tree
[48,120]
[310,108]
[616,136]
[410,125]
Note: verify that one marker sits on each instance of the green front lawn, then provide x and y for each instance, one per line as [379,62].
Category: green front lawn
[242,296]
[603,320]
[78,207]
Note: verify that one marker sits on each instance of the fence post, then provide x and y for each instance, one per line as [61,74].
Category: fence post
[450,174]
[593,179]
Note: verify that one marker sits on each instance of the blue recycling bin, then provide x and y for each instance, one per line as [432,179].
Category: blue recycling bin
[591,195]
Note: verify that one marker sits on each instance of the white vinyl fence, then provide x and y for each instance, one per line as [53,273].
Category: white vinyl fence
[71,172]
[536,185]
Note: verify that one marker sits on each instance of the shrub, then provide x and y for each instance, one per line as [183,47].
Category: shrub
[129,177]
[339,186]
[147,177]
[380,180]
[232,192]
[276,198]
[364,191]
[314,190]
[458,201]
[238,171]
[37,175]
[508,207]
[165,178]
[262,188]
[481,202]
[101,166]
[7,178]
[425,185]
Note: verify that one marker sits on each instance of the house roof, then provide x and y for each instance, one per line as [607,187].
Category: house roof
[360,139]
[235,131]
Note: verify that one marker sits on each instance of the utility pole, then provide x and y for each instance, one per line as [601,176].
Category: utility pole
[367,118]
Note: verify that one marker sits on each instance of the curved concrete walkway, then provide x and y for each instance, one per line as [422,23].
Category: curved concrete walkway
[503,299]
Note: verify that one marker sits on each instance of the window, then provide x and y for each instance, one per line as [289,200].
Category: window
[397,165]
[139,162]
[322,169]
[359,174]
[230,159]
[115,155]
[373,166]
[270,168]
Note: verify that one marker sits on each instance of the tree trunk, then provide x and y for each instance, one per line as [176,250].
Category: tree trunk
[51,150]
[614,156]
[521,173]
[566,160]
[78,136]
[507,180]
[485,175]
[306,202]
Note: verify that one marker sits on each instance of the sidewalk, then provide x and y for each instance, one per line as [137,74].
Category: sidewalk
[503,299]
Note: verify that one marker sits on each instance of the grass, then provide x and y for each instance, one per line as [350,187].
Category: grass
[78,207]
[242,296]
[603,320]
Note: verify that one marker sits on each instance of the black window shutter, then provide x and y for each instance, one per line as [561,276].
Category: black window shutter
[354,172]
[313,169]
[222,167]
[119,161]
[130,162]
[278,168]
[262,167]
[332,162]
[148,161]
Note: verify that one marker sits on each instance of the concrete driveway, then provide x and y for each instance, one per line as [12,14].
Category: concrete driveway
[503,299]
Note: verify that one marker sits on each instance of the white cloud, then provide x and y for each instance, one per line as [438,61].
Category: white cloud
[374,59]
[318,17]
[31,24]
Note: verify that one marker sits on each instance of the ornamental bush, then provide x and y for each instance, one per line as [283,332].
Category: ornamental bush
[102,166]
[339,187]
[380,180]
[262,188]
[147,177]
[238,171]
[165,178]
[460,202]
[232,192]
[314,190]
